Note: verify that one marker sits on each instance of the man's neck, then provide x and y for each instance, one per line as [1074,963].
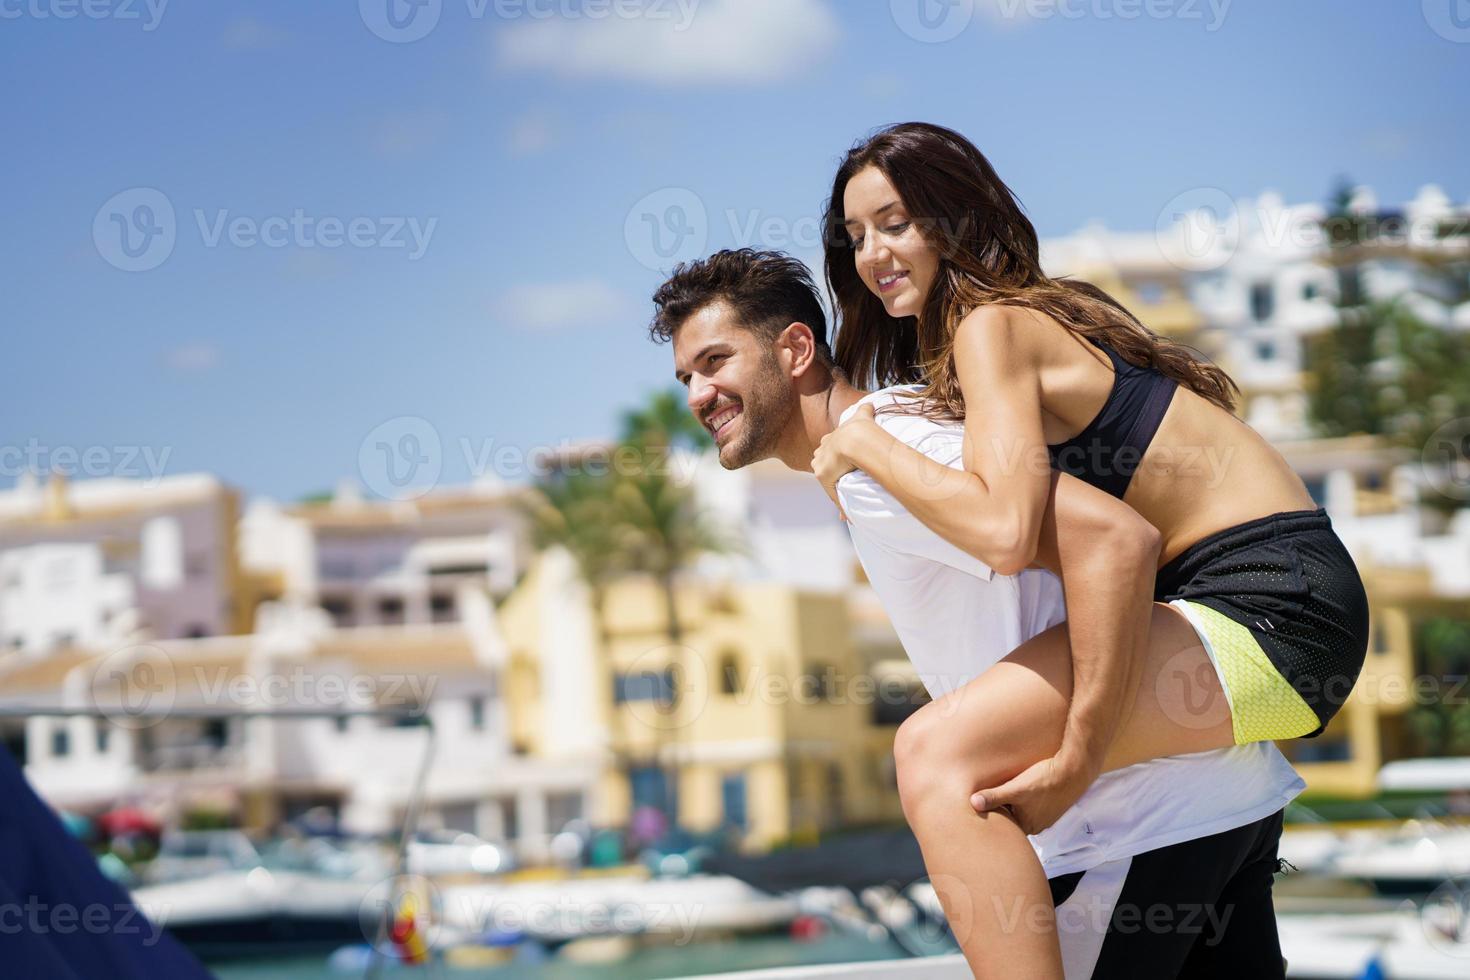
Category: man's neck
[817,415]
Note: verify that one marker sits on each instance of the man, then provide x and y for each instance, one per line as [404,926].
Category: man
[1160,869]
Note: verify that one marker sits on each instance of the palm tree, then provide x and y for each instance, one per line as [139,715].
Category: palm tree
[636,519]
[576,511]
[665,422]
[666,531]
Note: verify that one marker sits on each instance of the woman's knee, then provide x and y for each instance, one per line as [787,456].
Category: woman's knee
[934,760]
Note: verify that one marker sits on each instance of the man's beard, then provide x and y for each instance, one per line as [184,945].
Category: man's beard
[765,411]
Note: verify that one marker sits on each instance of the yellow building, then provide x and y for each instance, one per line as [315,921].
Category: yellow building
[1412,563]
[759,718]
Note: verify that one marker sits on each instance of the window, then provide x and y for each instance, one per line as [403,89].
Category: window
[472,568]
[341,722]
[340,610]
[214,732]
[1321,749]
[1262,301]
[732,798]
[104,736]
[441,608]
[14,742]
[646,685]
[1265,350]
[60,742]
[730,681]
[1310,291]
[477,713]
[818,683]
[390,611]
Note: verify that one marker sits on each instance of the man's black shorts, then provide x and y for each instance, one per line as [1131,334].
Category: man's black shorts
[1199,909]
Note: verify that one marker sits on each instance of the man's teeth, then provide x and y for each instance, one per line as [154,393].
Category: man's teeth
[726,415]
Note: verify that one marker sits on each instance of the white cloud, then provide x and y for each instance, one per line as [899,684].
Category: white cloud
[559,305]
[192,358]
[748,41]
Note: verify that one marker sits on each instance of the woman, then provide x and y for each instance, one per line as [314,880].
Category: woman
[935,273]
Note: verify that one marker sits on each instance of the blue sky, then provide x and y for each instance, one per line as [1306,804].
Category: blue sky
[526,140]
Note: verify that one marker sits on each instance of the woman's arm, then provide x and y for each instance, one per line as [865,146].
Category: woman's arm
[995,510]
[992,508]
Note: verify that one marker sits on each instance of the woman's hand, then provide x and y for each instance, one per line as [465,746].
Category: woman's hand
[1039,796]
[834,457]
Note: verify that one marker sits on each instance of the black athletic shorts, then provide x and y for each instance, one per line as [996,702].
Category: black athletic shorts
[1199,910]
[1280,608]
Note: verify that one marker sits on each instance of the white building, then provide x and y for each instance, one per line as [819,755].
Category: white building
[100,562]
[1262,277]
[362,768]
[387,562]
[785,528]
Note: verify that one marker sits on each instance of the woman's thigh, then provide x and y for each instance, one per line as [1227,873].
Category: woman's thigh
[1013,715]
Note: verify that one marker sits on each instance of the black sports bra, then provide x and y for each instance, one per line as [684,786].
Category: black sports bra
[1108,451]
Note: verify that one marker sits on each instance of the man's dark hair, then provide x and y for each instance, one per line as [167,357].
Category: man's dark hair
[767,291]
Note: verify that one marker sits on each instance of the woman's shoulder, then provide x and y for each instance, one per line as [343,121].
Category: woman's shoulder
[1019,333]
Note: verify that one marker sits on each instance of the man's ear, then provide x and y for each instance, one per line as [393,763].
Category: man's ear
[801,345]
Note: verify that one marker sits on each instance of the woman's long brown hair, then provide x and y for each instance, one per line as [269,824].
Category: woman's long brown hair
[988,253]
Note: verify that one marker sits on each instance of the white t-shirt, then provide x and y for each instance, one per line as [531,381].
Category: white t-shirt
[956,617]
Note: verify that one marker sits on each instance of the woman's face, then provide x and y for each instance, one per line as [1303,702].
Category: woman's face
[893,259]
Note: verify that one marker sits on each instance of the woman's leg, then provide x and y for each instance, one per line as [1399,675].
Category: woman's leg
[982,866]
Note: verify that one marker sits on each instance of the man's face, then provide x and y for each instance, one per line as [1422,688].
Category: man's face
[737,388]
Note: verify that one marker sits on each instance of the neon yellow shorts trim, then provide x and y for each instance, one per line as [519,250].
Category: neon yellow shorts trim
[1262,704]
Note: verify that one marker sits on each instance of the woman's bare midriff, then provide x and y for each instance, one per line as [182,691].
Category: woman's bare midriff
[1205,471]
